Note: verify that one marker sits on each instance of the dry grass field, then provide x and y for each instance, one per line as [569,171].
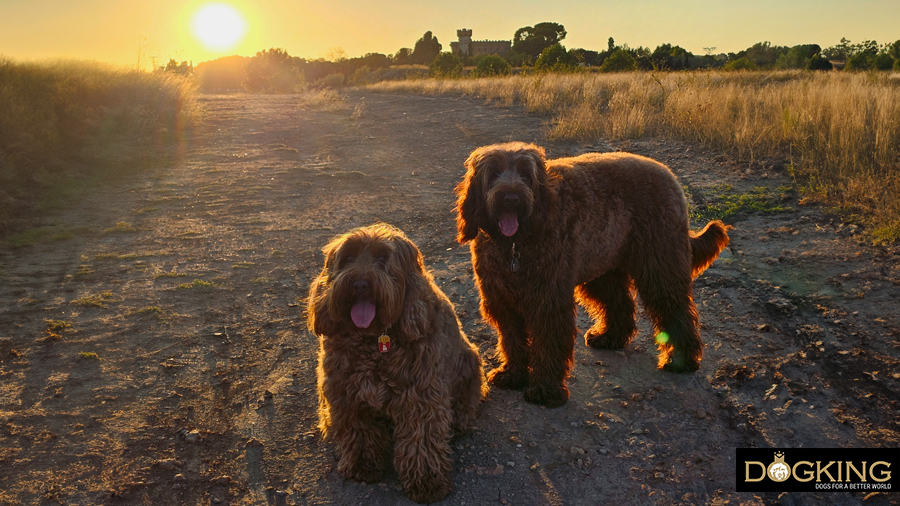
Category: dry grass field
[837,133]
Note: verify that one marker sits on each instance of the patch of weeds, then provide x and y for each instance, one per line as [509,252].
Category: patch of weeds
[723,202]
[116,256]
[261,281]
[55,329]
[169,274]
[197,284]
[350,174]
[886,235]
[276,253]
[191,234]
[84,271]
[88,355]
[144,210]
[148,311]
[97,300]
[243,265]
[122,227]
[28,301]
[42,234]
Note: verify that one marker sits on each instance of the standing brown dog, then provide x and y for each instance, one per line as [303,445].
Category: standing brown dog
[394,363]
[596,226]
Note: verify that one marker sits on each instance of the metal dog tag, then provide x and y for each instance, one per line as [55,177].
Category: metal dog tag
[384,343]
[514,264]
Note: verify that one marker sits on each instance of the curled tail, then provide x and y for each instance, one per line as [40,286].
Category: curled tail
[707,244]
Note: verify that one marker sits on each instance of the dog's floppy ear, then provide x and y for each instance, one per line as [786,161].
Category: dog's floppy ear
[545,196]
[470,199]
[318,318]
[413,320]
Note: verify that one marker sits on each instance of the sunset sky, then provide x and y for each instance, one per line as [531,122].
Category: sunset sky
[119,31]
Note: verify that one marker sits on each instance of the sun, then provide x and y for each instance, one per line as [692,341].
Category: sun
[218,26]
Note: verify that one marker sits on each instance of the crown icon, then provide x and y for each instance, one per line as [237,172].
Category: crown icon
[779,456]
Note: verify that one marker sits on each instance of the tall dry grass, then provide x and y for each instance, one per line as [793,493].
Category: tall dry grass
[64,124]
[840,131]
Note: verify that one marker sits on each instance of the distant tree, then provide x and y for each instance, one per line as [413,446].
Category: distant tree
[491,65]
[742,63]
[798,57]
[445,65]
[894,50]
[426,49]
[222,74]
[763,54]
[403,56]
[555,58]
[860,61]
[611,46]
[619,61]
[897,65]
[532,40]
[882,61]
[183,68]
[586,57]
[819,62]
[273,71]
[840,51]
[668,57]
[516,59]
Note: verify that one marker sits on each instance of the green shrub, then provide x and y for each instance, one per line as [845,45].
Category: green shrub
[556,58]
[335,80]
[740,64]
[620,61]
[897,65]
[491,65]
[445,65]
[883,62]
[818,62]
[273,71]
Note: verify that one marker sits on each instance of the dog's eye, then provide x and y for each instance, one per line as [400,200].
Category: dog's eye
[380,260]
[347,261]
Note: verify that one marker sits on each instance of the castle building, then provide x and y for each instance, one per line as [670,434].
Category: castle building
[468,47]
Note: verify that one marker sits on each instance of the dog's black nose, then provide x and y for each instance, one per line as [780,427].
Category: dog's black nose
[360,286]
[511,199]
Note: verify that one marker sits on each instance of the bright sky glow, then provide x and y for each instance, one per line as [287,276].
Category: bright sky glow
[218,26]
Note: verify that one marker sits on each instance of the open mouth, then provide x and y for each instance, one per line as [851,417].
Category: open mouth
[362,313]
[509,223]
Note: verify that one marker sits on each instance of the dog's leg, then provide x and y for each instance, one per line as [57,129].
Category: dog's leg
[469,390]
[551,353]
[673,313]
[422,453]
[512,350]
[363,441]
[609,302]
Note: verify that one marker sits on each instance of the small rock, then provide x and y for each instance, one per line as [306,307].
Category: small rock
[659,476]
[253,443]
[192,436]
[576,450]
[659,388]
[168,464]
[222,480]
[765,327]
[701,413]
[510,464]
[6,349]
[637,397]
[603,451]
[575,424]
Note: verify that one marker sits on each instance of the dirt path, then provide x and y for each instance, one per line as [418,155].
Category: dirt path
[187,285]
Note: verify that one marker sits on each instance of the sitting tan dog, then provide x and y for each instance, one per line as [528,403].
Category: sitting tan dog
[394,363]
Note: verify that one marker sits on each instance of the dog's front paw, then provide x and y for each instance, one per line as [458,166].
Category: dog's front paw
[429,489]
[365,473]
[552,395]
[508,379]
[680,365]
[604,341]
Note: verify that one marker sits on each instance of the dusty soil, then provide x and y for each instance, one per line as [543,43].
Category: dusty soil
[188,283]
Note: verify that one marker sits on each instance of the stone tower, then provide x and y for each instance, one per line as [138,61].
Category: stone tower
[465,38]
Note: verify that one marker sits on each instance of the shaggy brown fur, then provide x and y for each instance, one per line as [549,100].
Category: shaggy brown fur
[427,384]
[596,225]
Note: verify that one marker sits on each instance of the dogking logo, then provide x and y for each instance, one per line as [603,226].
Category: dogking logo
[778,470]
[816,469]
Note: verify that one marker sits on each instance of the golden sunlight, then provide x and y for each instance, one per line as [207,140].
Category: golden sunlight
[218,26]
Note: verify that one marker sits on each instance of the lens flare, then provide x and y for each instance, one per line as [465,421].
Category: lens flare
[662,338]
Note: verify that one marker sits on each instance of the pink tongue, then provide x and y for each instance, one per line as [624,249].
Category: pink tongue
[509,223]
[363,312]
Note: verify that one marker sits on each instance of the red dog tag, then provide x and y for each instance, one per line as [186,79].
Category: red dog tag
[384,343]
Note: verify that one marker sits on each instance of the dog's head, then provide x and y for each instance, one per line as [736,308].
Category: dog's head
[370,282]
[505,186]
